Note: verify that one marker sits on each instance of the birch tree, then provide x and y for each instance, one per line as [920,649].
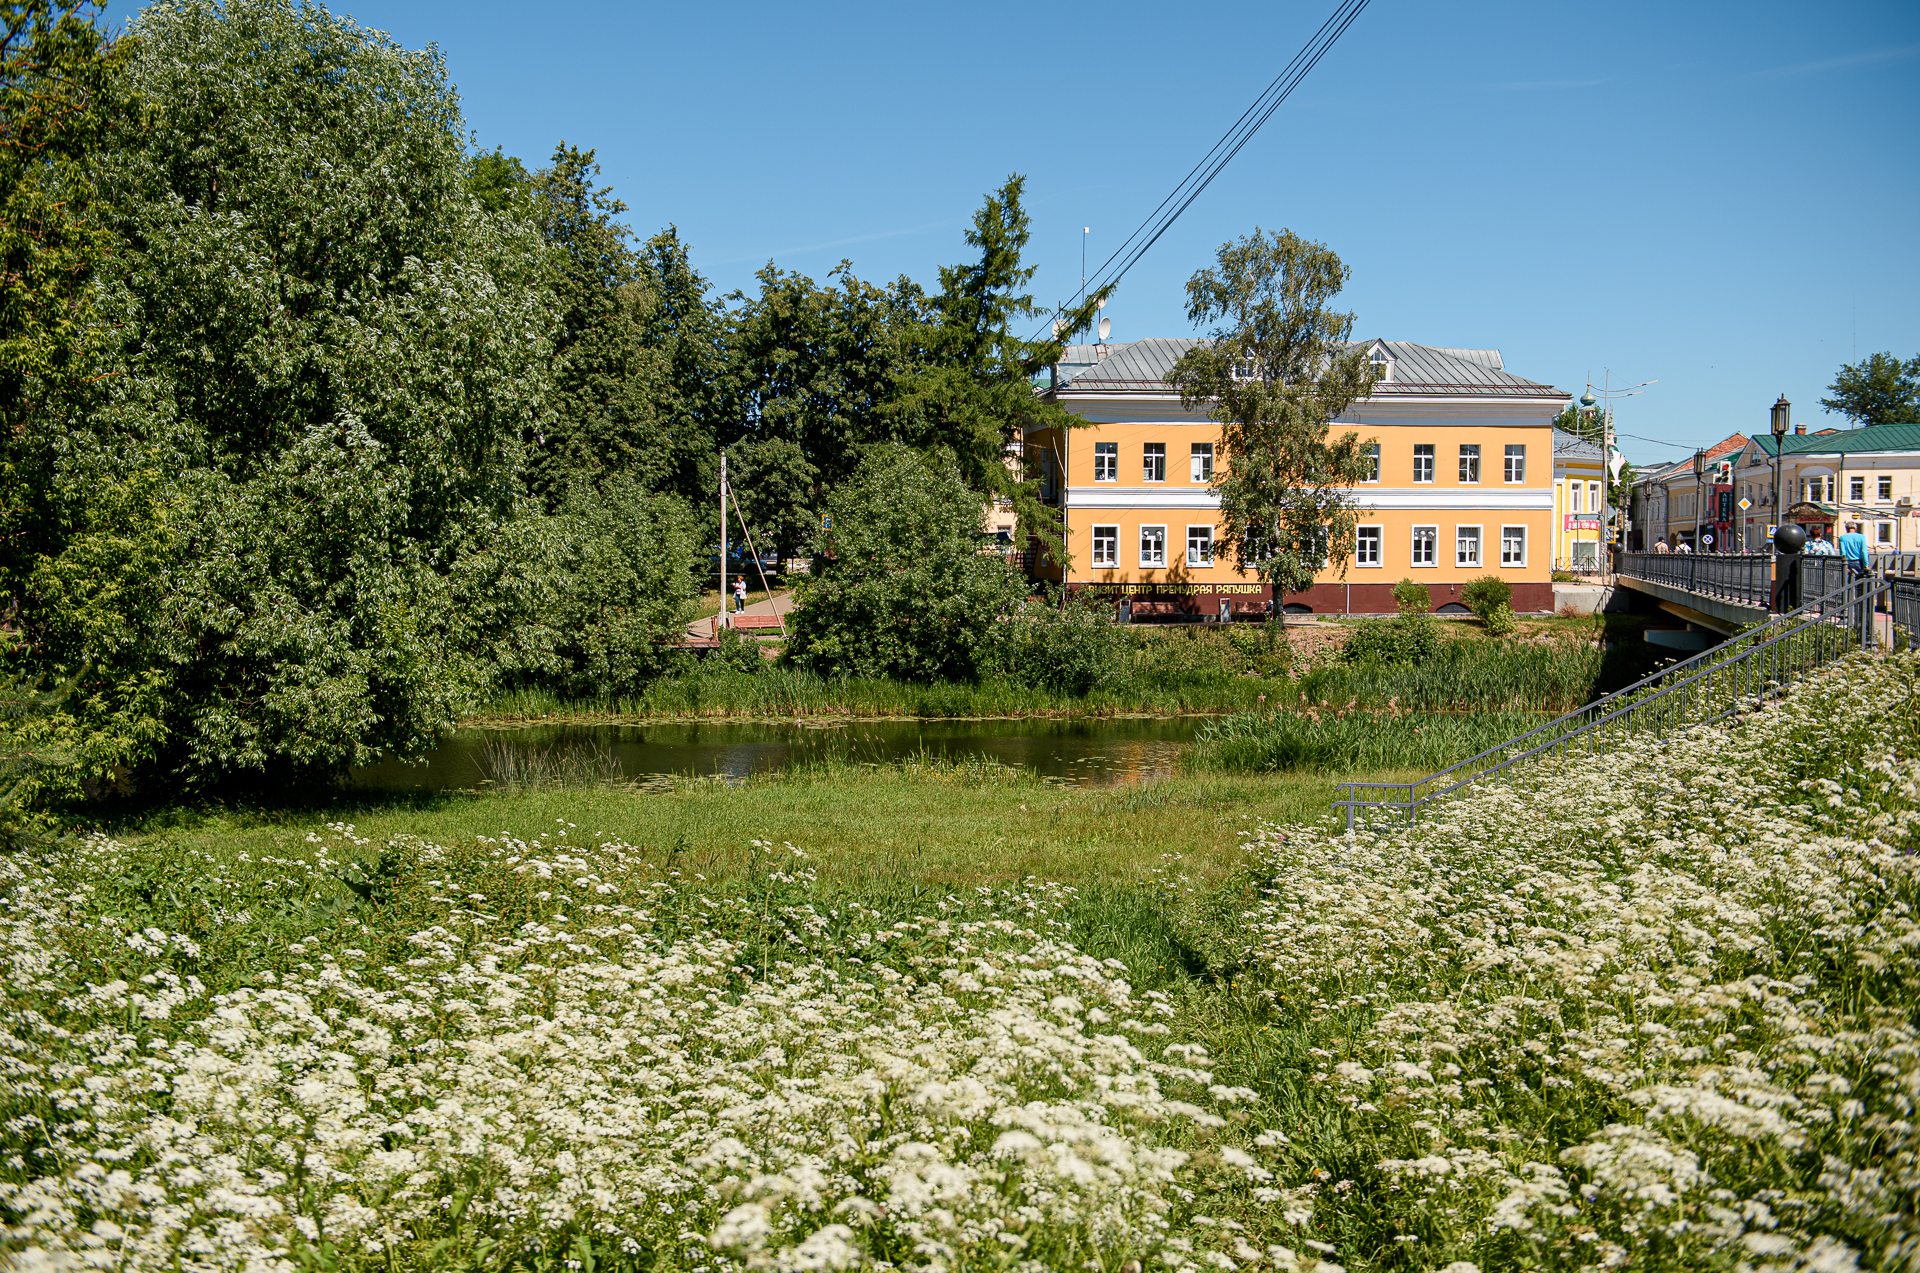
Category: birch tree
[1277,372]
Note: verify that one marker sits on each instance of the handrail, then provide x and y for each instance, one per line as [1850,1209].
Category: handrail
[1856,601]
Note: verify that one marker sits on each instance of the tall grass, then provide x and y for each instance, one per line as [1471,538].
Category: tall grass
[1163,672]
[1348,742]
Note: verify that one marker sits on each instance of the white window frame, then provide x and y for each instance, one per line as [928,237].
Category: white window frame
[1516,451]
[1148,454]
[1433,546]
[1469,463]
[1378,536]
[1200,462]
[1148,563]
[1883,489]
[1112,560]
[1883,534]
[1594,501]
[1574,489]
[1428,451]
[1106,461]
[1372,451]
[1207,530]
[1857,489]
[1479,545]
[1521,531]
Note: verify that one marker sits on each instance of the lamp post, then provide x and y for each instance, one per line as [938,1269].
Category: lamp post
[1699,485]
[1781,410]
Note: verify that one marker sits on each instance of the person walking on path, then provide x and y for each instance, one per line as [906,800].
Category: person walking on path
[739,595]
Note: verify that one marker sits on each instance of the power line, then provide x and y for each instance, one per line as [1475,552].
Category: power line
[1216,159]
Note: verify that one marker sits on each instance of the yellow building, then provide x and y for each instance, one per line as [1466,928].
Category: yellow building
[1579,502]
[1464,483]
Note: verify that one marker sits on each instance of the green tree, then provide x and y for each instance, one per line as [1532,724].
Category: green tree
[975,397]
[900,587]
[689,329]
[1278,370]
[1879,389]
[61,87]
[1586,423]
[777,491]
[611,381]
[304,437]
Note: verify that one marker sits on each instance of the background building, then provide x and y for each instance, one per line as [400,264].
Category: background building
[1579,502]
[1869,475]
[1464,484]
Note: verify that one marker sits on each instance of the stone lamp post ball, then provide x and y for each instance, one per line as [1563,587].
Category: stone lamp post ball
[1790,538]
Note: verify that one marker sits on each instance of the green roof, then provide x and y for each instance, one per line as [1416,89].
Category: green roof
[1875,437]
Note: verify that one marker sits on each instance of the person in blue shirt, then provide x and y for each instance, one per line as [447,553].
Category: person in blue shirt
[1853,546]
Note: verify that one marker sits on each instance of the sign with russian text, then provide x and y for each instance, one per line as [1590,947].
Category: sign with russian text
[1577,522]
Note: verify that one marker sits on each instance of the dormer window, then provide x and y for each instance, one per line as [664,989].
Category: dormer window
[1382,367]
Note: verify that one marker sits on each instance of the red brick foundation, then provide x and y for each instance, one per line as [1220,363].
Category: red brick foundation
[1203,600]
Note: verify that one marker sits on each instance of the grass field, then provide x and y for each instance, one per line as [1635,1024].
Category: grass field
[1652,1011]
[917,827]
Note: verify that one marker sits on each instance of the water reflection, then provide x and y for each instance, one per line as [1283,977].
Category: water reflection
[1093,753]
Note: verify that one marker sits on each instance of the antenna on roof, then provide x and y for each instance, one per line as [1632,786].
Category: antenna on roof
[1106,329]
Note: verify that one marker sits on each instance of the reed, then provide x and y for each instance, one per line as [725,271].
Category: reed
[1348,742]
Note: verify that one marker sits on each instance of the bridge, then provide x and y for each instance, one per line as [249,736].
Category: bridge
[1728,592]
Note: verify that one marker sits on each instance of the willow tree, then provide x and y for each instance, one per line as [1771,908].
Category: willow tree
[1279,369]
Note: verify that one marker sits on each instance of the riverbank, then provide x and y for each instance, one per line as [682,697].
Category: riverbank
[1170,672]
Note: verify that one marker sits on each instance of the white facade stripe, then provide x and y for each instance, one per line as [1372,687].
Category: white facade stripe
[1367,498]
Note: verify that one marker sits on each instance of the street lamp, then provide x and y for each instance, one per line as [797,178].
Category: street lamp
[1781,410]
[1699,485]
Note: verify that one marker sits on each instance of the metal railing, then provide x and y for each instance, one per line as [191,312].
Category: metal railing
[1746,577]
[1733,677]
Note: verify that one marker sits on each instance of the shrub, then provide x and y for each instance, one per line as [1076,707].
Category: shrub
[1411,597]
[900,587]
[1070,650]
[1411,638]
[1486,592]
[1500,622]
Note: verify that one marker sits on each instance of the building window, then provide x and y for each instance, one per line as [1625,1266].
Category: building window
[1513,545]
[1382,368]
[1153,546]
[1106,545]
[1106,461]
[1366,546]
[1885,490]
[1423,461]
[1426,545]
[1199,545]
[1573,497]
[1466,545]
[1370,457]
[1857,489]
[1154,463]
[1516,463]
[1202,461]
[1469,462]
[1594,502]
[1883,534]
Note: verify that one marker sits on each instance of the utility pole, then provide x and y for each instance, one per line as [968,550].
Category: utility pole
[726,620]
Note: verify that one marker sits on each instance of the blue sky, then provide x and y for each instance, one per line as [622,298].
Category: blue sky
[1723,198]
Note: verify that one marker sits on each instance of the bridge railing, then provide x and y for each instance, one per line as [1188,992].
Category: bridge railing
[1746,577]
[1737,676]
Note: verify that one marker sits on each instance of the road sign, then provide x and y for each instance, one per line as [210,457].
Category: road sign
[1745,504]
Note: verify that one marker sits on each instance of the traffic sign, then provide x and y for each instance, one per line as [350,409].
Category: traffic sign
[1745,504]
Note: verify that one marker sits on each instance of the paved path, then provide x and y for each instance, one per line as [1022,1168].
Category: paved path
[780,603]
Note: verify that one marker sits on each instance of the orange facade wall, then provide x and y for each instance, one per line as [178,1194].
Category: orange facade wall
[1405,512]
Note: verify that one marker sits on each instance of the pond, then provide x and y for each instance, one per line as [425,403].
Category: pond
[1107,751]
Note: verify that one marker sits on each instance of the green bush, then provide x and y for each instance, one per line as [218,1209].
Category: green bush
[1485,593]
[1070,650]
[1410,638]
[1411,597]
[1500,622]
[900,587]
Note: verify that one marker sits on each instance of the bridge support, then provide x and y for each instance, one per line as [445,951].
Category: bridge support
[1724,617]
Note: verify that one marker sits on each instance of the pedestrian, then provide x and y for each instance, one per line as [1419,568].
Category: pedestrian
[740,594]
[1853,547]
[1660,545]
[1683,547]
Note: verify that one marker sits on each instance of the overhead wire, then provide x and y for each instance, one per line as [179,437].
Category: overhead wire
[1210,166]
